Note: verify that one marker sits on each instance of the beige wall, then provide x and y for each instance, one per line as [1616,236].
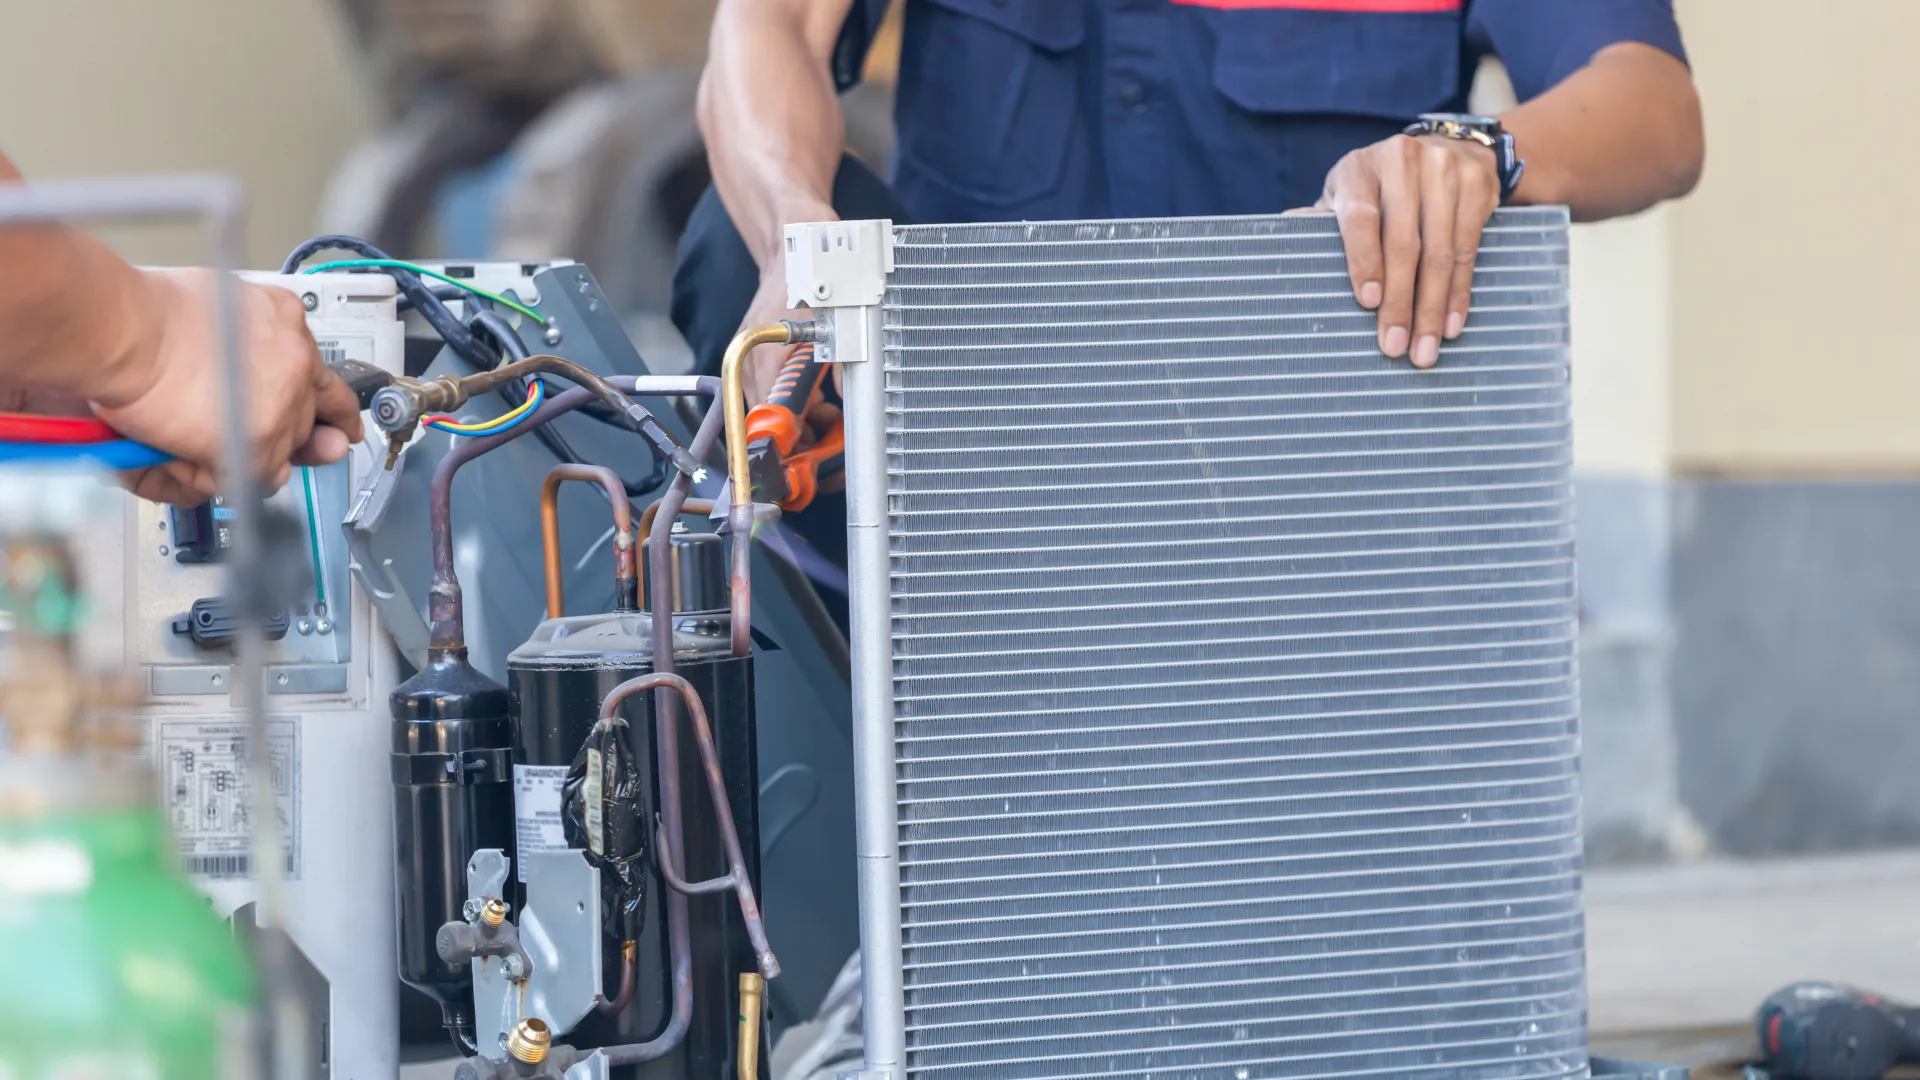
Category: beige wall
[261,88]
[1796,266]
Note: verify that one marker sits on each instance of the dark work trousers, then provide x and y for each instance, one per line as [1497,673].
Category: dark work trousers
[712,287]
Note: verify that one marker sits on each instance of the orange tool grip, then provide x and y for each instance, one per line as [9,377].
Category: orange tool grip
[779,418]
[803,468]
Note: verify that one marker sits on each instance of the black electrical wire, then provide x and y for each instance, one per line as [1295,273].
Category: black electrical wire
[443,293]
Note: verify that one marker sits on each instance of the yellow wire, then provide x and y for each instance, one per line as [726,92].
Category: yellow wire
[482,425]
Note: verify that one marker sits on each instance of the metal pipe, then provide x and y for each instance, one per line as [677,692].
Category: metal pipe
[629,960]
[444,609]
[397,410]
[736,877]
[444,606]
[626,579]
[691,506]
[667,759]
[733,397]
[875,778]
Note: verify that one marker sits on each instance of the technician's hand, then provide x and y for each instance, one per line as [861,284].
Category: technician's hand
[299,412]
[1411,212]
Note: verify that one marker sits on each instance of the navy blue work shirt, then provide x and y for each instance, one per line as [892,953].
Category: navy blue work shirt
[1014,110]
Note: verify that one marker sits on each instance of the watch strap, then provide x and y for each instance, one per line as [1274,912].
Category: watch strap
[1506,156]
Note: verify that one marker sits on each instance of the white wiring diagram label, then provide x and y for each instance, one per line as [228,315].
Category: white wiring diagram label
[204,785]
[537,792]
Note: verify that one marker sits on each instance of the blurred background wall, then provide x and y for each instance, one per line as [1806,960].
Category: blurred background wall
[1743,394]
[268,90]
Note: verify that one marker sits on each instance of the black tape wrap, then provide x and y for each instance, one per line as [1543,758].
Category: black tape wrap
[620,849]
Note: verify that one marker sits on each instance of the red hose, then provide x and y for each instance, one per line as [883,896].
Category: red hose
[28,428]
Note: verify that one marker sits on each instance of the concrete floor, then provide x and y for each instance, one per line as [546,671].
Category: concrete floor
[1678,957]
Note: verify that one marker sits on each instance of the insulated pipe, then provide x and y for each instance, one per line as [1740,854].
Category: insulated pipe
[733,397]
[626,580]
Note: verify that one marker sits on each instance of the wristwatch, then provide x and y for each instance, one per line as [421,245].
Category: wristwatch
[1484,130]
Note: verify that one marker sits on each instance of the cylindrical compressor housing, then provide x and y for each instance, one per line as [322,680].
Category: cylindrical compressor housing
[452,796]
[557,681]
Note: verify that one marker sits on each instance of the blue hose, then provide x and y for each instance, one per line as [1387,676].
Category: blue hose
[119,455]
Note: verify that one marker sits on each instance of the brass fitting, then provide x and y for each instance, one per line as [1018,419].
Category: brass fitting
[529,1041]
[398,407]
[494,912]
[752,991]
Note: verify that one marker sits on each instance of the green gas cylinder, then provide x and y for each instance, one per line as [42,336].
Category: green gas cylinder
[112,967]
[111,964]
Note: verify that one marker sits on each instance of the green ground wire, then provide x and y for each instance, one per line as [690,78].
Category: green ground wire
[313,536]
[397,264]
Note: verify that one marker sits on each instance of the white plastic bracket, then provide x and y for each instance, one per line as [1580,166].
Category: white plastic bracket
[839,263]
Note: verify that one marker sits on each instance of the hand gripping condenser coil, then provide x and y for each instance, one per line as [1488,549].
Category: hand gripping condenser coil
[1215,692]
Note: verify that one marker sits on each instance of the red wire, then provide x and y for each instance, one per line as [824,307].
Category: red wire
[28,428]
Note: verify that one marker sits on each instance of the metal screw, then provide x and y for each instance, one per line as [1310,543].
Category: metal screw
[305,626]
[516,967]
[310,301]
[470,910]
[281,679]
[553,334]
[324,626]
[218,679]
[163,550]
[503,1038]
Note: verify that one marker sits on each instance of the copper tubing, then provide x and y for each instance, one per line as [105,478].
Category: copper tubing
[666,741]
[690,506]
[629,960]
[733,396]
[736,877]
[752,990]
[626,579]
[444,608]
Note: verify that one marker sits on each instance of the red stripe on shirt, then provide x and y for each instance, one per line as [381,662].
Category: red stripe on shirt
[1400,6]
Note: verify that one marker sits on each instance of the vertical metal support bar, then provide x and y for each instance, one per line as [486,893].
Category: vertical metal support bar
[864,387]
[840,269]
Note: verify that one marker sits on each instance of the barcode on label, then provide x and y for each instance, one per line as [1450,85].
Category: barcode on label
[332,352]
[222,866]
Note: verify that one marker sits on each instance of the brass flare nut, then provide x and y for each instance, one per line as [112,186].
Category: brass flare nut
[494,912]
[529,1041]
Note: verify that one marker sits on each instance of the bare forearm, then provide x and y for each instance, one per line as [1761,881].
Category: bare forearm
[770,116]
[76,315]
[1614,138]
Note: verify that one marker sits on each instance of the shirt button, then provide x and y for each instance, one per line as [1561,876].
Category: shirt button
[1133,97]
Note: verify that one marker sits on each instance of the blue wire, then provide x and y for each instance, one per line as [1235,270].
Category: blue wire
[538,394]
[119,455]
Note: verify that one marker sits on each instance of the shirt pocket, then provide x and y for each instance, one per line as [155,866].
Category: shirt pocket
[1390,66]
[988,95]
